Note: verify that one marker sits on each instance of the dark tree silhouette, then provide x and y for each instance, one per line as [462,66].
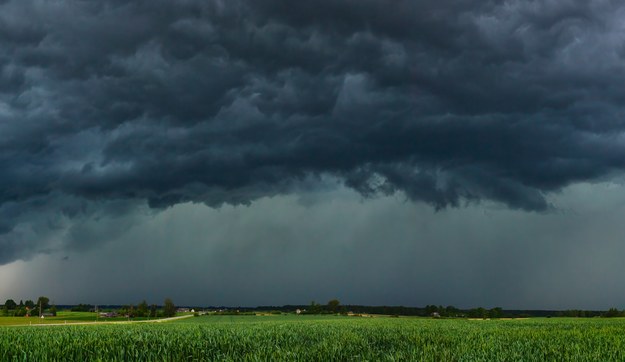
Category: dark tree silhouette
[333,305]
[169,309]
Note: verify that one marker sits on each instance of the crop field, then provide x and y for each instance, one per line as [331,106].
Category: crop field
[312,338]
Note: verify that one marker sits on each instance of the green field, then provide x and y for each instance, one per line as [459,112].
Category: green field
[312,338]
[62,317]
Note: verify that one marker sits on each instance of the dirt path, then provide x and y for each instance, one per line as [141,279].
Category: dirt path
[99,323]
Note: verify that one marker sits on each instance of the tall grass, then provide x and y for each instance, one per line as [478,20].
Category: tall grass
[310,339]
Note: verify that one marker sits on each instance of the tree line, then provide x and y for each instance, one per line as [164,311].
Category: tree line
[143,310]
[450,311]
[334,306]
[43,307]
[28,308]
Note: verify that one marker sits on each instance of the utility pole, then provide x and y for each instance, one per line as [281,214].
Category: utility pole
[40,311]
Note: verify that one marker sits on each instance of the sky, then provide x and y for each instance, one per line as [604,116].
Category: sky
[269,152]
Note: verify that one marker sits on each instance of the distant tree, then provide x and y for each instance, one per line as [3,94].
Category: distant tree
[333,305]
[142,309]
[10,304]
[482,313]
[127,311]
[569,313]
[44,302]
[5,311]
[153,311]
[431,309]
[124,311]
[478,313]
[53,310]
[451,311]
[314,308]
[169,309]
[495,313]
[29,303]
[612,312]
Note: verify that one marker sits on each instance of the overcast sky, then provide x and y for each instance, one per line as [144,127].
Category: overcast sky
[271,152]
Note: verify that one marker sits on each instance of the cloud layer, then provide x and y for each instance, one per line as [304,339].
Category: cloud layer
[115,108]
[335,244]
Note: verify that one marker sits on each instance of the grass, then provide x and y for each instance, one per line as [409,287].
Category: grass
[62,317]
[314,338]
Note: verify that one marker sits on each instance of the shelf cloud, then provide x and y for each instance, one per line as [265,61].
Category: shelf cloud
[114,109]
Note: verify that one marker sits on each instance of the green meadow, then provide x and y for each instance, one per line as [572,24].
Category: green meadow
[321,338]
[61,318]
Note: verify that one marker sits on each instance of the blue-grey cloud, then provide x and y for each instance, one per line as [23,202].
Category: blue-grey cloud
[157,103]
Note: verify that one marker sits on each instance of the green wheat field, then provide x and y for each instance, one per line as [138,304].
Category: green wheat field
[321,338]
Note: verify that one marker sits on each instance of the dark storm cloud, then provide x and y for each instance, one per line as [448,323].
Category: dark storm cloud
[163,102]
